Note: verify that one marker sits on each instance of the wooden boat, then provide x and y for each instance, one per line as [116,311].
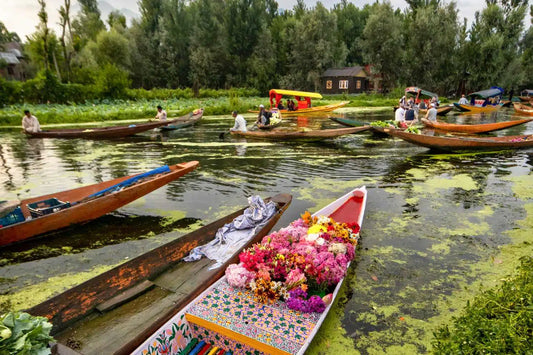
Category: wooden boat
[348,122]
[303,102]
[115,311]
[482,101]
[474,128]
[526,95]
[66,208]
[441,110]
[184,121]
[447,143]
[231,319]
[302,134]
[523,109]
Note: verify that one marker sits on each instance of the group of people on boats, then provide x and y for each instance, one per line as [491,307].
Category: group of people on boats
[408,112]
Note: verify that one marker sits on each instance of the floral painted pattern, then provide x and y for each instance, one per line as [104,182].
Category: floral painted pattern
[169,340]
[273,324]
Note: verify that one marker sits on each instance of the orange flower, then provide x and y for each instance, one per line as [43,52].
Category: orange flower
[307,217]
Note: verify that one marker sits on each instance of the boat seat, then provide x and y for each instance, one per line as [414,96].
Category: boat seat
[125,296]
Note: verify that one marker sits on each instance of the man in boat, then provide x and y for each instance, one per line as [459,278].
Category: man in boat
[240,123]
[263,118]
[161,114]
[463,100]
[30,123]
[431,115]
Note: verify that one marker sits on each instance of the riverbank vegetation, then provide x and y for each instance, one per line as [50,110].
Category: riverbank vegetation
[499,321]
[208,44]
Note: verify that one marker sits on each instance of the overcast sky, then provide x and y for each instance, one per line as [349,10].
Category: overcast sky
[21,15]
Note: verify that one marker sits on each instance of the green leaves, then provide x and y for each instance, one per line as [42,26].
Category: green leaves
[21,333]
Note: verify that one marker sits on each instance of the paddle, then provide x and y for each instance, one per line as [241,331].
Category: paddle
[221,135]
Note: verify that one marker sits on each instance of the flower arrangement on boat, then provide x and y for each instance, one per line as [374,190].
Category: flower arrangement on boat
[300,264]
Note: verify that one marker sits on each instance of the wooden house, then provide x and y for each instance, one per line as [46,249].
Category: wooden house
[349,80]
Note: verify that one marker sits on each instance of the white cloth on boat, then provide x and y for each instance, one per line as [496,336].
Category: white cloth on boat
[233,236]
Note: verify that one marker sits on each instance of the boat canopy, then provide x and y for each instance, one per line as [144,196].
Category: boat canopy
[303,97]
[484,94]
[527,92]
[419,93]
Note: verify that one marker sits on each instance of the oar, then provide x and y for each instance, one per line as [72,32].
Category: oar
[221,135]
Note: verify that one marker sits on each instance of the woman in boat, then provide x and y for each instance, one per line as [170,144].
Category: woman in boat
[30,123]
[263,119]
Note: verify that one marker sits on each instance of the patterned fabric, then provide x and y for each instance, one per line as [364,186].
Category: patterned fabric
[272,324]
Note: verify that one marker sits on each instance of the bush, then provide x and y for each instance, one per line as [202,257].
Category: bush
[499,321]
[112,82]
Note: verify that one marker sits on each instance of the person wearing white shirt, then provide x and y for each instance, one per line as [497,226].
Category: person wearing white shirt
[161,114]
[431,115]
[463,100]
[399,115]
[240,122]
[30,123]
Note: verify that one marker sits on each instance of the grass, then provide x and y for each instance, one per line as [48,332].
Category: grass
[499,321]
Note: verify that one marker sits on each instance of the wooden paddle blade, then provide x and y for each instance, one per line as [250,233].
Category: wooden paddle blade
[221,135]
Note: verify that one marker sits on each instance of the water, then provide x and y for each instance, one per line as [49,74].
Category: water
[437,228]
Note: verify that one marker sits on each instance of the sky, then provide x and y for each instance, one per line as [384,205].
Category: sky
[20,16]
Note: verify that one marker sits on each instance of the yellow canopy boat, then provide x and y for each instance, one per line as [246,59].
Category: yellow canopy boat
[303,102]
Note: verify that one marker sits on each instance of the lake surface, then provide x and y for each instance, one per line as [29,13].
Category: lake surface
[438,227]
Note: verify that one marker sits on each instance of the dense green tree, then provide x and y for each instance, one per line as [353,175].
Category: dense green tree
[7,36]
[350,24]
[207,55]
[66,38]
[383,44]
[88,23]
[431,60]
[492,50]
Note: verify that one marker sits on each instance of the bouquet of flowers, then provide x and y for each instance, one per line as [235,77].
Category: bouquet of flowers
[299,263]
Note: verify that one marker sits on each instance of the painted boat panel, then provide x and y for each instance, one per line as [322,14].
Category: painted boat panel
[86,210]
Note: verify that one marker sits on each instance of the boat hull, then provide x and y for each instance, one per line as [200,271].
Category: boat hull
[296,135]
[89,210]
[523,109]
[476,109]
[461,143]
[182,122]
[474,128]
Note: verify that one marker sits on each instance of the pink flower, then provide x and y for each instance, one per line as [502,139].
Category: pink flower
[239,276]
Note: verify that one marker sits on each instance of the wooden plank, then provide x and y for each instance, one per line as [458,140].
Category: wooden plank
[125,296]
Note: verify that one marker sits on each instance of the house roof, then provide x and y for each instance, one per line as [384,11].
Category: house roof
[9,58]
[348,71]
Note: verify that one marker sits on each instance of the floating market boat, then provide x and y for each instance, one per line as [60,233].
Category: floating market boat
[115,311]
[38,215]
[447,143]
[426,96]
[275,120]
[526,95]
[302,134]
[482,101]
[184,121]
[303,102]
[244,314]
[523,109]
[102,132]
[474,128]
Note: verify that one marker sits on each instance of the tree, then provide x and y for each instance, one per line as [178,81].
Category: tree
[6,36]
[88,24]
[350,24]
[64,15]
[382,43]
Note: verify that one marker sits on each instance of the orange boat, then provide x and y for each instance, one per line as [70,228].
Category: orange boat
[447,143]
[303,102]
[523,109]
[482,101]
[301,134]
[46,213]
[474,128]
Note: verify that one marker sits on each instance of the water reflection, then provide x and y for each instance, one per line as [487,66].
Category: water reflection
[432,220]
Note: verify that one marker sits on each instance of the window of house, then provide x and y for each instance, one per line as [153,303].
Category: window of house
[343,84]
[329,84]
[358,84]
